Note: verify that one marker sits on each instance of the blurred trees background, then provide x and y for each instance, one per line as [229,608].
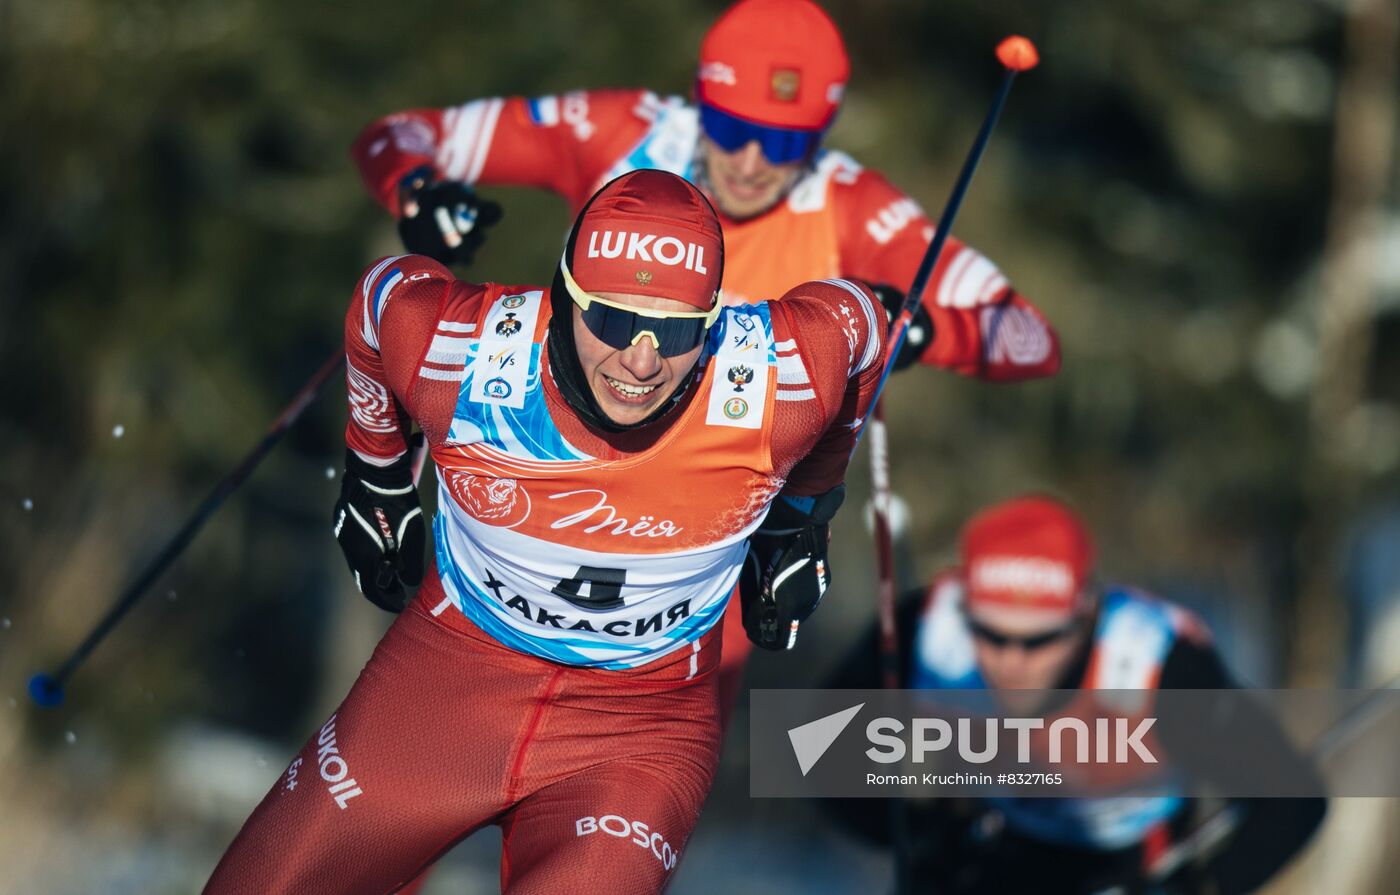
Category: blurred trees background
[180,226]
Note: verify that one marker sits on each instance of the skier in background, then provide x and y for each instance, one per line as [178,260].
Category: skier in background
[1023,612]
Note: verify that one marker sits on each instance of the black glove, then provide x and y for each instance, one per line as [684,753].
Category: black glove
[445,220]
[920,332]
[786,570]
[379,524]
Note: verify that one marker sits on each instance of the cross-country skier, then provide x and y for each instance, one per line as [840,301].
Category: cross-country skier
[1023,612]
[768,86]
[607,449]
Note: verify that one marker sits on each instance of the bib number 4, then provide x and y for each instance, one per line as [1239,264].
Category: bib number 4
[593,588]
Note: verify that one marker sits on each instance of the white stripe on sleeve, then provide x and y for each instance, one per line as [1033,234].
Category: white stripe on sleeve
[872,342]
[467,134]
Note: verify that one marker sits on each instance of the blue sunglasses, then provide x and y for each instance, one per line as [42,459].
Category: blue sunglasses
[780,145]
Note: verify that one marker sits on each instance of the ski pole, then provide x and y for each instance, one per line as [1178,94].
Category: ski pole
[881,499]
[881,514]
[47,690]
[1016,54]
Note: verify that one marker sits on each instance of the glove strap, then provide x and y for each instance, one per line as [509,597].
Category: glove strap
[395,479]
[791,515]
[389,492]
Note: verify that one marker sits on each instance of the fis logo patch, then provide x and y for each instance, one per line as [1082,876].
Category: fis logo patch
[742,359]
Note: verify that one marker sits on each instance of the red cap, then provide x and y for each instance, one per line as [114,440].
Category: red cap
[778,63]
[1029,557]
[650,232]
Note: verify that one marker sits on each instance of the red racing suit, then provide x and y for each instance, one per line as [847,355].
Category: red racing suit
[839,220]
[576,709]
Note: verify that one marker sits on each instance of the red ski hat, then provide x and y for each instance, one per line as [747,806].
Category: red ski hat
[649,232]
[1027,558]
[777,63]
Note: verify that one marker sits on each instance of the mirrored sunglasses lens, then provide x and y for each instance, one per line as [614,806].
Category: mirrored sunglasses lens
[782,147]
[609,325]
[726,132]
[618,329]
[677,336]
[779,146]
